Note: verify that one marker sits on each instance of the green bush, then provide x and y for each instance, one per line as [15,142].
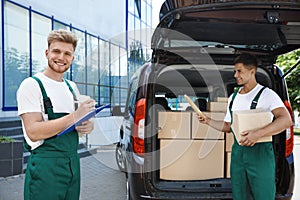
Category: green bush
[296,131]
[6,139]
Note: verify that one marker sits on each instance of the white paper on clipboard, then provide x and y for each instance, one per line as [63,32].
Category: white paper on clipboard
[84,118]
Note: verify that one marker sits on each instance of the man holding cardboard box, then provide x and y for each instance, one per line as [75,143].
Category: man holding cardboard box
[252,167]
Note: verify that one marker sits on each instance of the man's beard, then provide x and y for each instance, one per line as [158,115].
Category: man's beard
[58,69]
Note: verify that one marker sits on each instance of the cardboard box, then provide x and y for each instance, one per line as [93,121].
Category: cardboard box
[250,120]
[217,106]
[228,161]
[222,99]
[191,159]
[203,131]
[229,139]
[174,125]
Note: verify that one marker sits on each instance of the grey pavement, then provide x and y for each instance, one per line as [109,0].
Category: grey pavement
[100,179]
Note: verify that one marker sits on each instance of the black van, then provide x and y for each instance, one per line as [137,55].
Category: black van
[164,152]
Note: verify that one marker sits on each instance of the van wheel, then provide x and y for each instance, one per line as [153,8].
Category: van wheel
[120,158]
[128,196]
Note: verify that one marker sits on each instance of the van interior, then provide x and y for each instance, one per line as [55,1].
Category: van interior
[191,155]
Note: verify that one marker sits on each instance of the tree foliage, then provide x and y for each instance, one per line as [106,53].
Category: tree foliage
[285,62]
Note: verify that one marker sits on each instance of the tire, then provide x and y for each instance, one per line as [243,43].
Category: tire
[120,158]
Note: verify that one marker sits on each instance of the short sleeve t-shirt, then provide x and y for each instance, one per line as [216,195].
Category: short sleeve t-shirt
[30,99]
[267,101]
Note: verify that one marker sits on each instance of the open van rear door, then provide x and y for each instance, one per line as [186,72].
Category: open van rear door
[260,27]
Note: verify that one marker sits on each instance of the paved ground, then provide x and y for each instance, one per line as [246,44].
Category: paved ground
[102,180]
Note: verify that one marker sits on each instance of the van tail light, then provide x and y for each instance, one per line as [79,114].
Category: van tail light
[289,142]
[139,127]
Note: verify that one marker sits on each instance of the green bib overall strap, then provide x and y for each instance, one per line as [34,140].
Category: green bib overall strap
[73,93]
[236,90]
[47,102]
[254,101]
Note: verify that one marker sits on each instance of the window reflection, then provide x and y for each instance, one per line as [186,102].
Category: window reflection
[100,68]
[78,68]
[16,51]
[104,72]
[93,66]
[41,27]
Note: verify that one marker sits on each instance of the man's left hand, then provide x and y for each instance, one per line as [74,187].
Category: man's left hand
[85,127]
[249,138]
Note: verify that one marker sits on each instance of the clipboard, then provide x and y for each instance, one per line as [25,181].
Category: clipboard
[193,105]
[84,118]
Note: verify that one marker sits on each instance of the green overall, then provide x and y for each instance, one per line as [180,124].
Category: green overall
[53,169]
[252,169]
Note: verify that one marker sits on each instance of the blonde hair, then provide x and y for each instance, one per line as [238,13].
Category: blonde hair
[62,35]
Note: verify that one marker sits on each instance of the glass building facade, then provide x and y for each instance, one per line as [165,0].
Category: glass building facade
[102,66]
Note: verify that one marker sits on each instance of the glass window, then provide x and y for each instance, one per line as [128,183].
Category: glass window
[123,62]
[123,97]
[115,96]
[58,25]
[115,74]
[123,76]
[137,29]
[144,34]
[16,51]
[149,15]
[41,27]
[79,72]
[131,5]
[137,10]
[104,73]
[115,61]
[144,11]
[130,24]
[100,68]
[132,57]
[92,66]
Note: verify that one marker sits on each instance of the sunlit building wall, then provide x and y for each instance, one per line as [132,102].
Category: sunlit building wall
[114,40]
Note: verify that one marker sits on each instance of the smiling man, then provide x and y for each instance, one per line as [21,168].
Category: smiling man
[46,104]
[252,167]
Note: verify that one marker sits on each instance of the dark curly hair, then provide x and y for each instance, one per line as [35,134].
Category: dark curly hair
[248,60]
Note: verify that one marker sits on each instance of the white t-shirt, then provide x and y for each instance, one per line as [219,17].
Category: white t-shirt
[30,99]
[267,101]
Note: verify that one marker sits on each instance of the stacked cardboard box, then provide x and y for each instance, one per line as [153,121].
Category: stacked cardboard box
[228,161]
[191,159]
[221,106]
[203,131]
[229,139]
[189,150]
[174,125]
[218,106]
